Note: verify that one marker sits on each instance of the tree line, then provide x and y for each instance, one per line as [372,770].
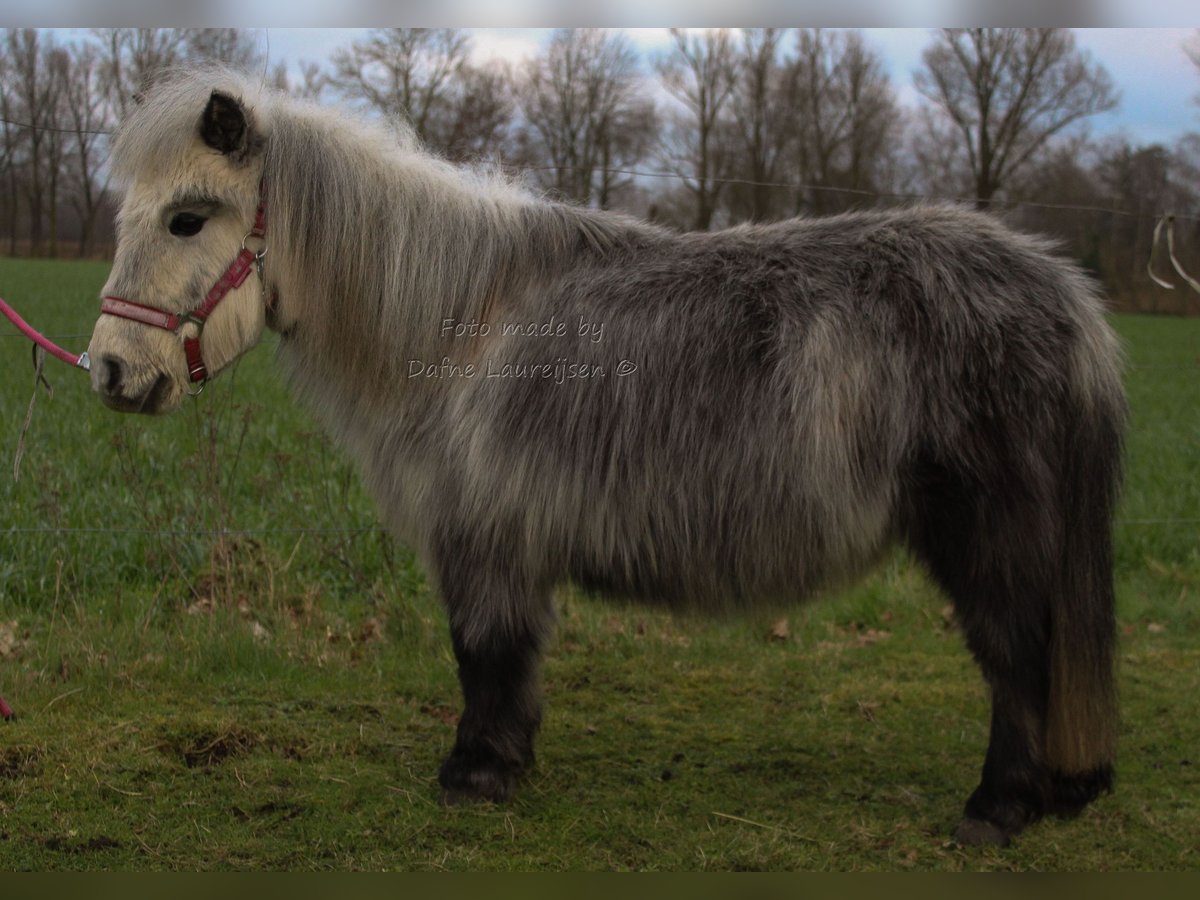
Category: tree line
[724,126]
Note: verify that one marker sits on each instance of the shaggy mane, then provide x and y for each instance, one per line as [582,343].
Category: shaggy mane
[381,235]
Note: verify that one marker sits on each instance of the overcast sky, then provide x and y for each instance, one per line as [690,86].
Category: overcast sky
[1157,81]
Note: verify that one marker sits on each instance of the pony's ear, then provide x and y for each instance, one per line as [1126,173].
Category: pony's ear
[225,127]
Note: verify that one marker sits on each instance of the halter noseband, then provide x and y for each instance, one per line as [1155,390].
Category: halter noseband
[233,277]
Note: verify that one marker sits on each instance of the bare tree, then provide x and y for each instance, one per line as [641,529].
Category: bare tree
[700,73]
[584,113]
[402,73]
[8,150]
[848,118]
[422,77]
[132,57]
[1008,91]
[873,117]
[87,117]
[481,110]
[234,47]
[34,90]
[937,167]
[56,71]
[311,85]
[766,125]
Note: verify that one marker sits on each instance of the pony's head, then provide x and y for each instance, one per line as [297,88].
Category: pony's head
[192,159]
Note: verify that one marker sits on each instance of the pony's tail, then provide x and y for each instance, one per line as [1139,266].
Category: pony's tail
[1081,715]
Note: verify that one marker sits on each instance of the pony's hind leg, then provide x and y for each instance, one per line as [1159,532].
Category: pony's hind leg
[988,553]
[498,627]
[1025,554]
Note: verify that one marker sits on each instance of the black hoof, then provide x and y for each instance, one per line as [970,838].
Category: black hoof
[470,778]
[979,833]
[1071,793]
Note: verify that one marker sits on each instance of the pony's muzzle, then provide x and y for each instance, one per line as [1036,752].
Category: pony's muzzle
[110,380]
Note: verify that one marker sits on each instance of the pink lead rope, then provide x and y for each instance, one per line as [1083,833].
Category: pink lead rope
[81,360]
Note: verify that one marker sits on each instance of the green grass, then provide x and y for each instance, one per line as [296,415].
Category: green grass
[281,699]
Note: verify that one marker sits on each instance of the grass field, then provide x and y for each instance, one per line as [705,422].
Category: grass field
[219,662]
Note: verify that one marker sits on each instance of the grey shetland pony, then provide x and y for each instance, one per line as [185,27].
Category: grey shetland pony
[538,393]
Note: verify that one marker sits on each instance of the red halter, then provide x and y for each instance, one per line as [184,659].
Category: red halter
[234,276]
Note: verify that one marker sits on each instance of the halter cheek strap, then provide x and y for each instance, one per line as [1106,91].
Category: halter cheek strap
[233,277]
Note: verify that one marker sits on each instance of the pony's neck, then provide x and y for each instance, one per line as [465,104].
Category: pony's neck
[384,245]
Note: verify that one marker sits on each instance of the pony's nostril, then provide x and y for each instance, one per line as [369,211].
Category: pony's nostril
[112,373]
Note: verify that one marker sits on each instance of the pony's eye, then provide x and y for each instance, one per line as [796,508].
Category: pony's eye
[186,224]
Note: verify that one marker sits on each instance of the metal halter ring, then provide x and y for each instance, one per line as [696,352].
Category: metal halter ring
[258,254]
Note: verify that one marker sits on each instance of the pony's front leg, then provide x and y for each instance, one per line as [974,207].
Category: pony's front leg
[498,631]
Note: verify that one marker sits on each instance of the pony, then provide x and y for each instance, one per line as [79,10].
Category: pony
[538,393]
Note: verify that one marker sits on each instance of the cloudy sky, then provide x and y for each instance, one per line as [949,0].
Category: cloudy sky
[1158,83]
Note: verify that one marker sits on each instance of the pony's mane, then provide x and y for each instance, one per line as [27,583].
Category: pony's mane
[369,232]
